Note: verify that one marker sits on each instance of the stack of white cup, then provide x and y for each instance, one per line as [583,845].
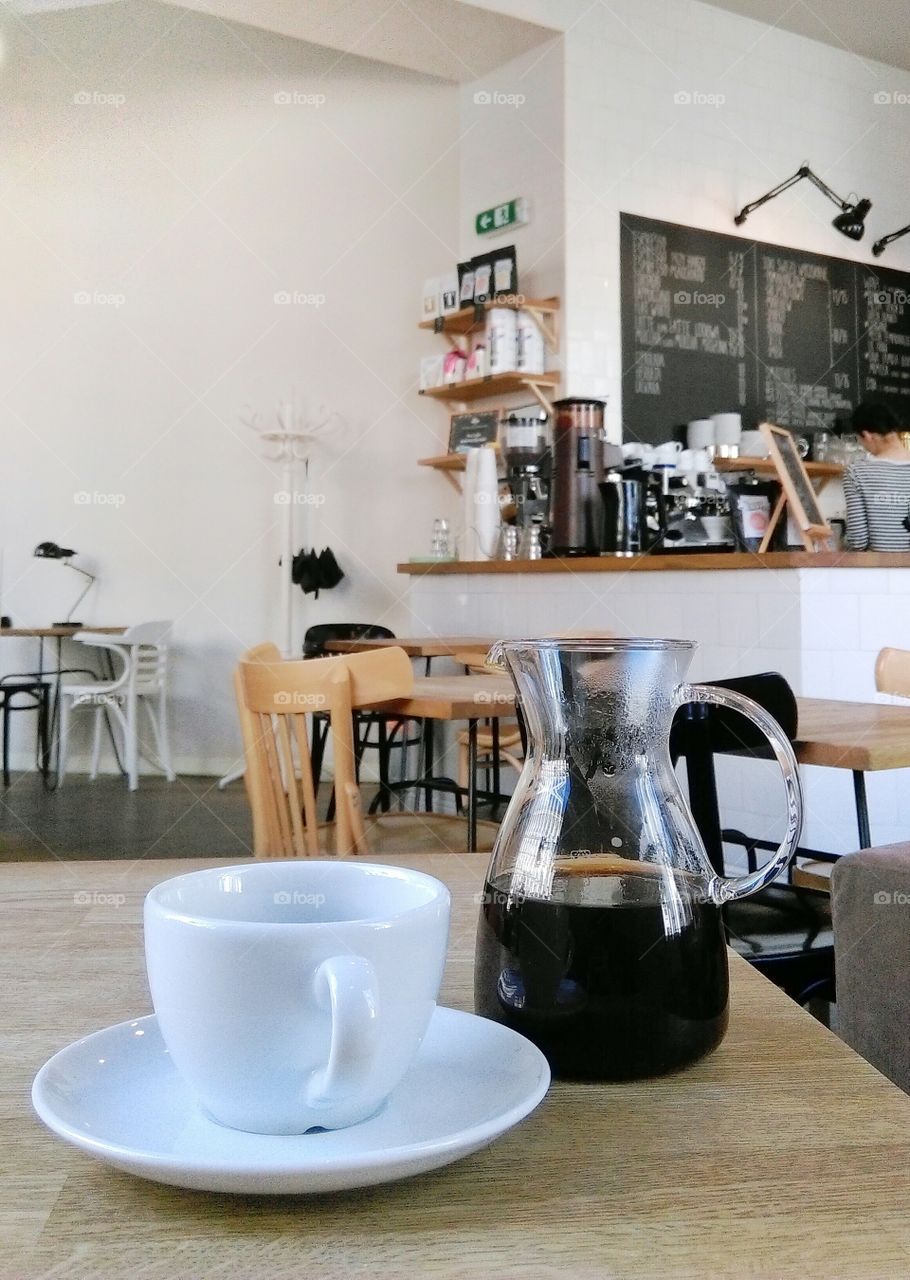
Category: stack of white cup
[728,428]
[700,434]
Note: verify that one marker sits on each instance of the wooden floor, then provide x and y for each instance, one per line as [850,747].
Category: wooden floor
[188,818]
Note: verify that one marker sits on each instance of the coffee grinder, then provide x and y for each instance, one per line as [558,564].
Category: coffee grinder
[578,469]
[528,464]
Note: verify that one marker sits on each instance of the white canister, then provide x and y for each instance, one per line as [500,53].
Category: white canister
[728,427]
[502,339]
[531,349]
[477,366]
[752,444]
[431,371]
[700,433]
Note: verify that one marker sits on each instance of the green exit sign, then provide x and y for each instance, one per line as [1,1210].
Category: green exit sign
[513,213]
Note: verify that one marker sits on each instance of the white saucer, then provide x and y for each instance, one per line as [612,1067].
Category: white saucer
[117,1095]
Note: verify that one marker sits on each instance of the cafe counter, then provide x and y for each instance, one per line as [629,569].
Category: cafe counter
[682,562]
[819,619]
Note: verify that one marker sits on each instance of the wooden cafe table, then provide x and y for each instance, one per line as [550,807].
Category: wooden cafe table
[426,647]
[452,698]
[859,736]
[782,1154]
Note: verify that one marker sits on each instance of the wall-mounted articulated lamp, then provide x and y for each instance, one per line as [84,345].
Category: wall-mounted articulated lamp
[881,245]
[849,222]
[51,551]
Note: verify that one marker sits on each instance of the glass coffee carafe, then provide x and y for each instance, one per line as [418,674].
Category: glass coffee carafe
[600,935]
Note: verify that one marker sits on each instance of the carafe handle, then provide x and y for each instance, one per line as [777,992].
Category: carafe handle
[729,888]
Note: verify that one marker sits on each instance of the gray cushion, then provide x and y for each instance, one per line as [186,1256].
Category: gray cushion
[870,899]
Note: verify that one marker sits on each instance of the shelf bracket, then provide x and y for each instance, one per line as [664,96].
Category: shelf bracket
[547,322]
[545,402]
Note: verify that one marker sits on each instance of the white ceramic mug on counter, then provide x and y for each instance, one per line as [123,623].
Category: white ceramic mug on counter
[668,453]
[295,995]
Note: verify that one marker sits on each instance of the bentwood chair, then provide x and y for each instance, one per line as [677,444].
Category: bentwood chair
[25,693]
[892,672]
[274,699]
[391,731]
[142,652]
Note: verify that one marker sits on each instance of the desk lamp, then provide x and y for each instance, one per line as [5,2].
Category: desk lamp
[51,551]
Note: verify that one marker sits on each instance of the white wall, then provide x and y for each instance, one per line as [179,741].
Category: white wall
[187,197]
[512,143]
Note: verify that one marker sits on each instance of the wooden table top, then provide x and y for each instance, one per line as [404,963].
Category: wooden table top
[853,735]
[415,646]
[45,633]
[474,697]
[836,734]
[782,1154]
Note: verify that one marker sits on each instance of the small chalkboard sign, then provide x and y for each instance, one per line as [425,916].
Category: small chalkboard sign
[472,430]
[798,491]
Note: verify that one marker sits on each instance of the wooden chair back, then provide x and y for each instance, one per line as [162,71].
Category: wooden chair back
[275,697]
[892,672]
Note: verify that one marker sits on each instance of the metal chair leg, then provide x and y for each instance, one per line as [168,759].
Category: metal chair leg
[6,718]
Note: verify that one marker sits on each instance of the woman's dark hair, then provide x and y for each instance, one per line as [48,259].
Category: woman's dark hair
[875,418]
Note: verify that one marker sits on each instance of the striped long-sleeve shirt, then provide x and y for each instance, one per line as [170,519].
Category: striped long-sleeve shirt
[878,502]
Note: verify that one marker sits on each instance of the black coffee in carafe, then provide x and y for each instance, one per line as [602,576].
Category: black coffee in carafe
[615,975]
[600,934]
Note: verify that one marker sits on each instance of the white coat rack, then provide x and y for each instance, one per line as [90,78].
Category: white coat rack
[290,443]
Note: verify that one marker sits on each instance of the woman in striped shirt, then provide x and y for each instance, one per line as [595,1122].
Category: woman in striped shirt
[877,488]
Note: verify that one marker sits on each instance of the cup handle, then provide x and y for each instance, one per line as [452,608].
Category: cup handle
[729,888]
[346,985]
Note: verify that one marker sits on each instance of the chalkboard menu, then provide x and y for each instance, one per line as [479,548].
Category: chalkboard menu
[714,323]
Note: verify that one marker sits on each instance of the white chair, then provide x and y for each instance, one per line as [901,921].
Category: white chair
[143,652]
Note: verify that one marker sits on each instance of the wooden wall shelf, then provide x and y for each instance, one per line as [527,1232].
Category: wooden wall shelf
[444,462]
[496,384]
[470,319]
[450,464]
[818,470]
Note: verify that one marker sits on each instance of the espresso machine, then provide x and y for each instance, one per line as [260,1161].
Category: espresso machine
[695,513]
[578,469]
[528,469]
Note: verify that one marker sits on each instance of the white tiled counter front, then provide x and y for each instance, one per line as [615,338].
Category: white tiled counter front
[820,627]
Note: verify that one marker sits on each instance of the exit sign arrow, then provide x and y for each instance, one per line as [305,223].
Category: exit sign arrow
[512,213]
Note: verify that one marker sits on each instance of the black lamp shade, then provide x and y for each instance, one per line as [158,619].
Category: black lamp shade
[851,223]
[51,551]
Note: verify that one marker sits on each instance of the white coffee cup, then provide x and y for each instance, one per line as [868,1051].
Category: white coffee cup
[295,995]
[636,453]
[668,453]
